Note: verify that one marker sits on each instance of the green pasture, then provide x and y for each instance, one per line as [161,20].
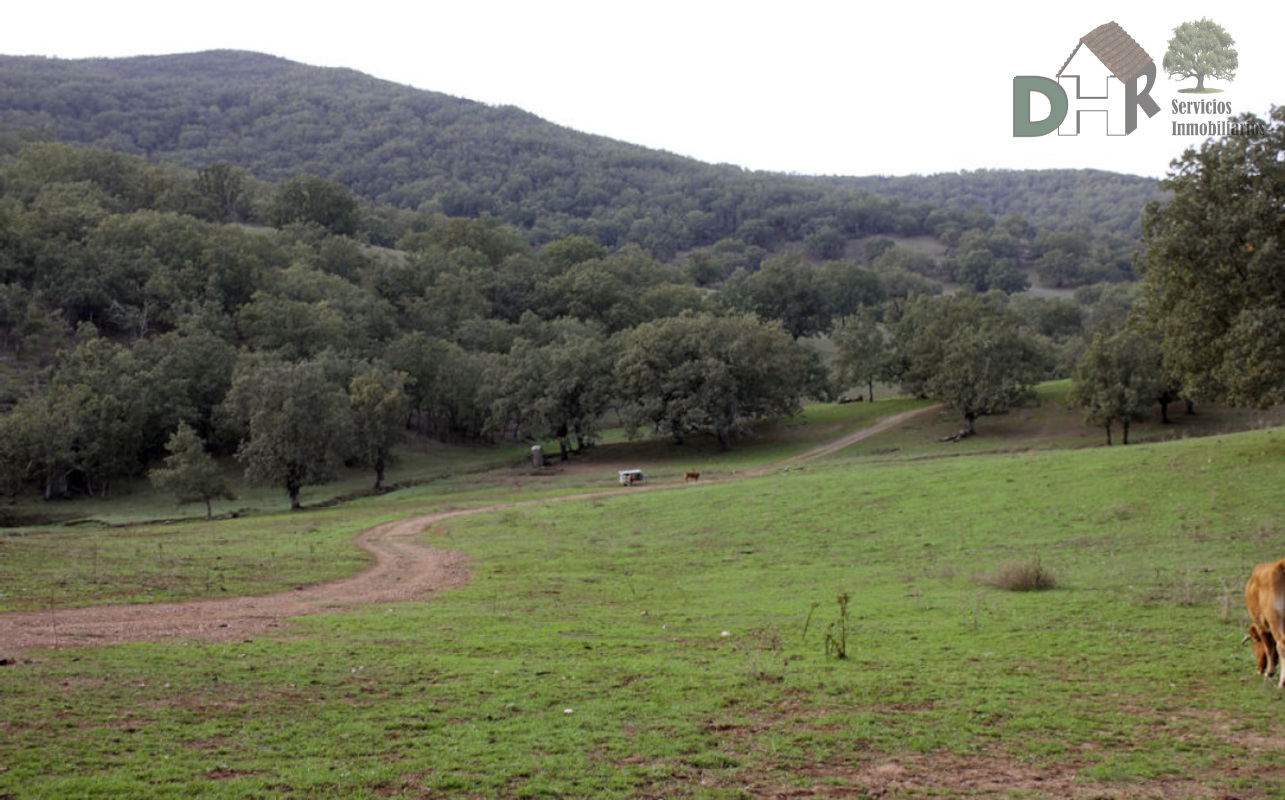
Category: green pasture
[1050,423]
[139,547]
[470,469]
[682,642]
[135,500]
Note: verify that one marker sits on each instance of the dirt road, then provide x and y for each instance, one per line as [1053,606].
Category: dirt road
[403,570]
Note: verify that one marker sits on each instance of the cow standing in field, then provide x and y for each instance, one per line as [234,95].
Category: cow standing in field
[1265,599]
[691,475]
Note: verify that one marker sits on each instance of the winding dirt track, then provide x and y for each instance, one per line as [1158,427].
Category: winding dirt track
[403,570]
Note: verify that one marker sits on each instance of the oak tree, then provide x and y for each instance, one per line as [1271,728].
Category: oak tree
[711,374]
[295,424]
[1200,50]
[380,407]
[1213,264]
[864,352]
[190,473]
[1117,380]
[970,352]
[312,200]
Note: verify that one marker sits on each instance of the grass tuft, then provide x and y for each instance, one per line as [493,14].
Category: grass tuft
[1021,576]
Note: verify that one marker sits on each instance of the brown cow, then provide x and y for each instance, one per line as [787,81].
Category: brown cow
[1265,599]
[1264,650]
[691,475]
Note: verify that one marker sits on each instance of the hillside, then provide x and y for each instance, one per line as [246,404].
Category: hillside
[225,224]
[417,149]
[1057,199]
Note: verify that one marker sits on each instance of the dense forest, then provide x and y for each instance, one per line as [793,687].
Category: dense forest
[231,254]
[412,149]
[135,319]
[1055,199]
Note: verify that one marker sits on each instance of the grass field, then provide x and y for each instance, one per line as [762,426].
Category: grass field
[683,643]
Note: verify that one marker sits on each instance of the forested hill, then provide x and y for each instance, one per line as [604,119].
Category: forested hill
[1055,199]
[410,148]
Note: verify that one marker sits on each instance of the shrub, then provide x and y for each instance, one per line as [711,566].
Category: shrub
[1021,576]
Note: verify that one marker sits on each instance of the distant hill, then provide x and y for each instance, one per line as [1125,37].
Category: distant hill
[1055,199]
[414,149]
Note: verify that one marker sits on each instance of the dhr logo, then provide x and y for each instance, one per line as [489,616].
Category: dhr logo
[1104,53]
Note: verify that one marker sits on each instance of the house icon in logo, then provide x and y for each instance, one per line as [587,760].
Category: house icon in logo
[1085,86]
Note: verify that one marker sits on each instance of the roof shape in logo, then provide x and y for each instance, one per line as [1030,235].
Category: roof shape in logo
[1116,49]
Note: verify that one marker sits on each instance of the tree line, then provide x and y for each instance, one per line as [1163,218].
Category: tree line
[138,304]
[1210,320]
[1204,324]
[140,313]
[1055,199]
[133,324]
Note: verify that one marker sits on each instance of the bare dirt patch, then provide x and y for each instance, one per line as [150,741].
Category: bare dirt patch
[829,448]
[403,570]
[978,776]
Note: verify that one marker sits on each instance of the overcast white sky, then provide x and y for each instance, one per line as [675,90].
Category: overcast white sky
[808,86]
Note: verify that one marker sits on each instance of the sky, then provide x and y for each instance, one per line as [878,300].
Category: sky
[816,87]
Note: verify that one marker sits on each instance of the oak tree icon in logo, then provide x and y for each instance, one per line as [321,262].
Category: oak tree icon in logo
[1201,50]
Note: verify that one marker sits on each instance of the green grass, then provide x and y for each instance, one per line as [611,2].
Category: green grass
[134,501]
[118,553]
[662,460]
[53,568]
[1050,424]
[478,470]
[588,656]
